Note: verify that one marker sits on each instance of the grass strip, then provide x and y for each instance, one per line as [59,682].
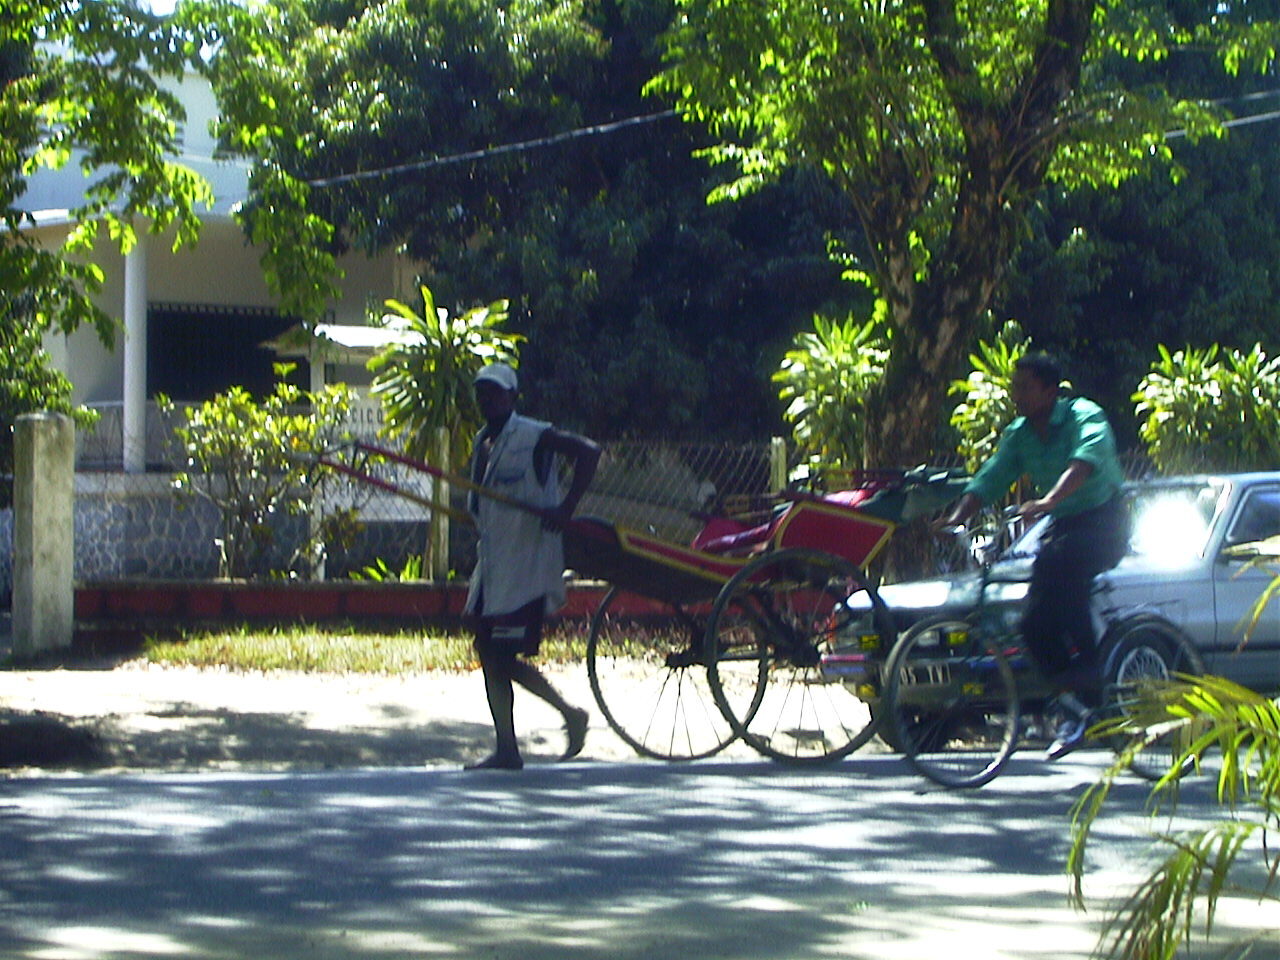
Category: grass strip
[341,649]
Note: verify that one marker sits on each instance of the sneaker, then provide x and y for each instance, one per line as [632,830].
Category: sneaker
[575,731]
[1071,734]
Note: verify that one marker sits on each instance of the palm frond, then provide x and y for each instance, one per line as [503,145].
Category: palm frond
[1200,715]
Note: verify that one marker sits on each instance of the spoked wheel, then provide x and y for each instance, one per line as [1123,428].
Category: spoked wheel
[952,701]
[650,683]
[776,657]
[1139,650]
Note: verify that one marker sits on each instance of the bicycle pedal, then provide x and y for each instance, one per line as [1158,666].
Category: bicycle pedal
[688,657]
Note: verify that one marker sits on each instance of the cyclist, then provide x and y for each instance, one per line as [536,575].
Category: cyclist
[1065,447]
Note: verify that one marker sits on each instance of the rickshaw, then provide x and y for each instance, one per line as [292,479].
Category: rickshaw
[744,633]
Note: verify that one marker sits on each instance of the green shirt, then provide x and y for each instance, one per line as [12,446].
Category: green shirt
[1078,430]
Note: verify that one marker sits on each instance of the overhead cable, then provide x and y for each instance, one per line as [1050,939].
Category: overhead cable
[491,151]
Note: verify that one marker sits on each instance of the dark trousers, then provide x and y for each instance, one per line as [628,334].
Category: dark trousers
[1057,623]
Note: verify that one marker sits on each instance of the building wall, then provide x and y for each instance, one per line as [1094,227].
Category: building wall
[136,528]
[222,269]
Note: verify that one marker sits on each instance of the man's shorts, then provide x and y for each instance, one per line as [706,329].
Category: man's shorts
[517,632]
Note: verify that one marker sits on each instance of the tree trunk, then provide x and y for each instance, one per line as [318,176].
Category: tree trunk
[1009,141]
[904,420]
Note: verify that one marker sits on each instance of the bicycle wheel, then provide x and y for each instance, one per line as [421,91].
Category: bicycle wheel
[649,681]
[775,660]
[1138,650]
[952,700]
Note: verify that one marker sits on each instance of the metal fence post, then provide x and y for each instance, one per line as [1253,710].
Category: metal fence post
[777,463]
[436,565]
[43,533]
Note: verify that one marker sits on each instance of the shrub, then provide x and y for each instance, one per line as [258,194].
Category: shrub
[825,380]
[256,462]
[1210,409]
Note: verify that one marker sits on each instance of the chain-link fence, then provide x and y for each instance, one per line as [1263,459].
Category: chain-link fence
[666,489]
[101,447]
[136,526]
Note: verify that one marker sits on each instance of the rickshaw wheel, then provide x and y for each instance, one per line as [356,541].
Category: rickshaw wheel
[649,681]
[777,646]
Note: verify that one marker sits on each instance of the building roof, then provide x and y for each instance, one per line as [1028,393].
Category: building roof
[339,340]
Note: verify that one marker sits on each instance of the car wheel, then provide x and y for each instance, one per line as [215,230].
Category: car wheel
[1137,650]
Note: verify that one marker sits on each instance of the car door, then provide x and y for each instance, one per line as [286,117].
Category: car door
[1237,586]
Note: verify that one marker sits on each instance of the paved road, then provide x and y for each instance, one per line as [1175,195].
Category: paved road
[629,861]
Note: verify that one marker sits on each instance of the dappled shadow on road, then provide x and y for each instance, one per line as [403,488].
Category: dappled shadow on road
[742,860]
[184,736]
[41,739]
[196,738]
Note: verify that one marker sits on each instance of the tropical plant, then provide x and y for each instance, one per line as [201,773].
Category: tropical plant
[425,382]
[825,380]
[380,572]
[1200,867]
[424,379]
[1210,409]
[257,463]
[987,404]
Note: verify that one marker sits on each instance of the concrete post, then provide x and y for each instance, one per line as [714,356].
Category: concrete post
[43,533]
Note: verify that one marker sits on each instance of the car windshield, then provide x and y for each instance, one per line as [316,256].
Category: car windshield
[1170,521]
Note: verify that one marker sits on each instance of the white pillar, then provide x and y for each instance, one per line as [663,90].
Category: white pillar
[43,533]
[315,517]
[135,357]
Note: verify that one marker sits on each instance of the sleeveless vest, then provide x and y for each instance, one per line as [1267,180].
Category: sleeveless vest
[517,560]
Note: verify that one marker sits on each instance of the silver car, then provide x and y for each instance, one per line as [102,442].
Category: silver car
[1186,570]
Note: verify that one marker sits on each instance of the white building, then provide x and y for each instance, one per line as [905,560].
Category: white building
[193,321]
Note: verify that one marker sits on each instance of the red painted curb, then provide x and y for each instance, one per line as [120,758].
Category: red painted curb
[156,604]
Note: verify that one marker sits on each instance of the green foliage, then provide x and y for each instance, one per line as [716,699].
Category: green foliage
[1106,274]
[825,379]
[28,383]
[256,463]
[987,407]
[617,268]
[386,84]
[84,81]
[379,572]
[1203,715]
[1211,409]
[941,123]
[425,381]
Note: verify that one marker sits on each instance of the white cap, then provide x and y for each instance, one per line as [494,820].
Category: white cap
[499,373]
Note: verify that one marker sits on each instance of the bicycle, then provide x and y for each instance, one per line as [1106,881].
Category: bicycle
[961,692]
